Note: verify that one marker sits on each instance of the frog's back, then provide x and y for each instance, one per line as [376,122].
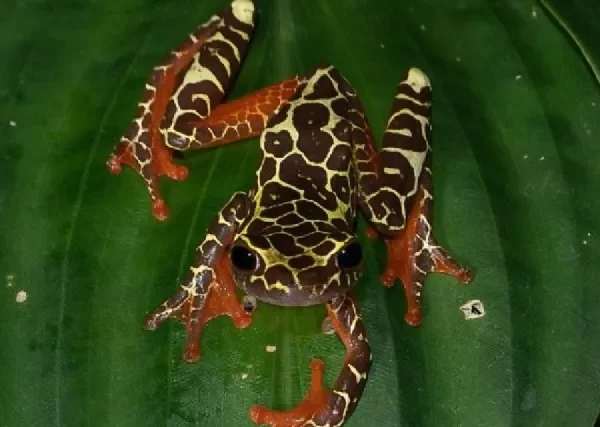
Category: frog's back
[301,211]
[307,154]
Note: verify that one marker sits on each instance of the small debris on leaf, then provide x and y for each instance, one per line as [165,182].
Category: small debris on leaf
[518,77]
[526,156]
[9,280]
[382,46]
[458,59]
[244,376]
[12,123]
[585,242]
[533,13]
[473,309]
[271,349]
[423,27]
[542,158]
[21,296]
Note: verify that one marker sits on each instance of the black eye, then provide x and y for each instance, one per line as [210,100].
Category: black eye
[350,256]
[243,258]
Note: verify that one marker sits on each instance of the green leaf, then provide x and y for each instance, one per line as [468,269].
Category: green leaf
[516,125]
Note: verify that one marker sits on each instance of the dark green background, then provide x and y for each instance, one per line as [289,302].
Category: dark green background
[516,167]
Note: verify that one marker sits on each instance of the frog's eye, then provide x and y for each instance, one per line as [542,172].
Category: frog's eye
[243,258]
[350,256]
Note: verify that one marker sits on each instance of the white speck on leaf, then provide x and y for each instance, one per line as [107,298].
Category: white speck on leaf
[423,27]
[21,296]
[526,156]
[244,376]
[533,13]
[589,234]
[542,158]
[271,349]
[473,309]
[593,104]
[585,242]
[458,59]
[518,77]
[9,280]
[382,46]
[12,123]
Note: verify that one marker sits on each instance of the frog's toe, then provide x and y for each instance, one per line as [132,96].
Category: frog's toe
[160,210]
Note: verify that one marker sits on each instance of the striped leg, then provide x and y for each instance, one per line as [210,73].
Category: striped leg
[209,289]
[236,120]
[141,146]
[323,407]
[406,202]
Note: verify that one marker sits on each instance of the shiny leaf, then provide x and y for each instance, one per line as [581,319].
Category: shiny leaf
[516,125]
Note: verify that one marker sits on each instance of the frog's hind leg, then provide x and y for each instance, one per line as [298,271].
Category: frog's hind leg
[401,207]
[330,407]
[201,70]
[139,147]
[196,307]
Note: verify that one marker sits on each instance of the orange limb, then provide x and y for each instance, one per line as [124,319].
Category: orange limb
[413,254]
[188,307]
[242,118]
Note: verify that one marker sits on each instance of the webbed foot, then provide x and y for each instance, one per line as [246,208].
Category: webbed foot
[414,253]
[196,310]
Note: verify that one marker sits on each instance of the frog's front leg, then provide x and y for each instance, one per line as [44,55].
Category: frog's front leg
[323,407]
[208,290]
[236,120]
[207,63]
[397,193]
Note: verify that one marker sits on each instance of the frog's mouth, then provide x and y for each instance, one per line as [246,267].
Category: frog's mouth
[292,292]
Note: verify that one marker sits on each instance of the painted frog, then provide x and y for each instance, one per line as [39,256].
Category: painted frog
[290,240]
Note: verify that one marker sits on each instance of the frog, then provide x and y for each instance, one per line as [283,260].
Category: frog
[291,239]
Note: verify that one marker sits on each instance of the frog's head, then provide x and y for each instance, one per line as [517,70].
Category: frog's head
[303,264]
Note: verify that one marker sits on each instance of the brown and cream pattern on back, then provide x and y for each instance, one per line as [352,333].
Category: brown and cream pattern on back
[302,210]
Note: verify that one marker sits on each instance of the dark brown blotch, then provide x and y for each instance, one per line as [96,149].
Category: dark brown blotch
[276,194]
[277,144]
[314,144]
[311,211]
[301,262]
[312,239]
[285,244]
[322,89]
[310,115]
[267,170]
